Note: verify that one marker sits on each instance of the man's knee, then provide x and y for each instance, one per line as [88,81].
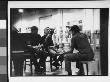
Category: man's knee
[67,56]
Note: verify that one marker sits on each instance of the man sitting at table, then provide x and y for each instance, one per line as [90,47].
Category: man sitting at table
[34,40]
[40,48]
[79,42]
[47,42]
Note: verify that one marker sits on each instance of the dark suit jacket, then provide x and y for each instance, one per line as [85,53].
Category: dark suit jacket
[47,41]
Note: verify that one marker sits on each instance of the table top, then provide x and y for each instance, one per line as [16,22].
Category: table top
[17,52]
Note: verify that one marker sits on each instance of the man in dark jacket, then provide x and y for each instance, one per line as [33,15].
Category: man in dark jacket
[79,42]
[46,42]
[34,40]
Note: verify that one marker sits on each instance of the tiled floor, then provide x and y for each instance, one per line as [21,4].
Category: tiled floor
[93,69]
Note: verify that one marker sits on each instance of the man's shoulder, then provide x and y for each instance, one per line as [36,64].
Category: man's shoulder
[83,35]
[36,34]
[76,35]
[79,35]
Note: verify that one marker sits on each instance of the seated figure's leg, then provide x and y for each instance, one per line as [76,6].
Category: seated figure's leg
[79,65]
[68,59]
[34,59]
[55,62]
[36,64]
[42,56]
[61,58]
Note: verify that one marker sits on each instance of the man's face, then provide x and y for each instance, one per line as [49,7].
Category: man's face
[71,32]
[46,31]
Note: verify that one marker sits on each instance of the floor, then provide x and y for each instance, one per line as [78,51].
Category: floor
[94,68]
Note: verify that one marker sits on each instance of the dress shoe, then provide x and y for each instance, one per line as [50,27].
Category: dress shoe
[79,73]
[70,73]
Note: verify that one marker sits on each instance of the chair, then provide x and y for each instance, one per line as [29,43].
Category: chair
[50,60]
[28,61]
[87,62]
[20,54]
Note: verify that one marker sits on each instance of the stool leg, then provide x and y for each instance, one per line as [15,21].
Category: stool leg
[51,63]
[31,66]
[87,68]
[98,67]
[61,64]
[45,66]
[25,65]
[11,68]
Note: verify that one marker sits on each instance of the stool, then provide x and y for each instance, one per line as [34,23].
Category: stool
[50,62]
[87,62]
[30,64]
[29,57]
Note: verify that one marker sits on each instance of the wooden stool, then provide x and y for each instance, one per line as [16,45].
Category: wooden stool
[50,62]
[29,57]
[30,64]
[87,62]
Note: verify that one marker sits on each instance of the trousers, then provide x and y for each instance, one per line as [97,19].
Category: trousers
[75,57]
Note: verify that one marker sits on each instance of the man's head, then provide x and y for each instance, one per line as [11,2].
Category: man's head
[46,30]
[74,29]
[51,31]
[34,29]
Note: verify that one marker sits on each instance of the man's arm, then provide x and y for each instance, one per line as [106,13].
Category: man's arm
[72,46]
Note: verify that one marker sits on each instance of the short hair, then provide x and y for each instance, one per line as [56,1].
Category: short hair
[34,28]
[75,28]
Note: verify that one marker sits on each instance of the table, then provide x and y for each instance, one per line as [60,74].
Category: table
[22,55]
